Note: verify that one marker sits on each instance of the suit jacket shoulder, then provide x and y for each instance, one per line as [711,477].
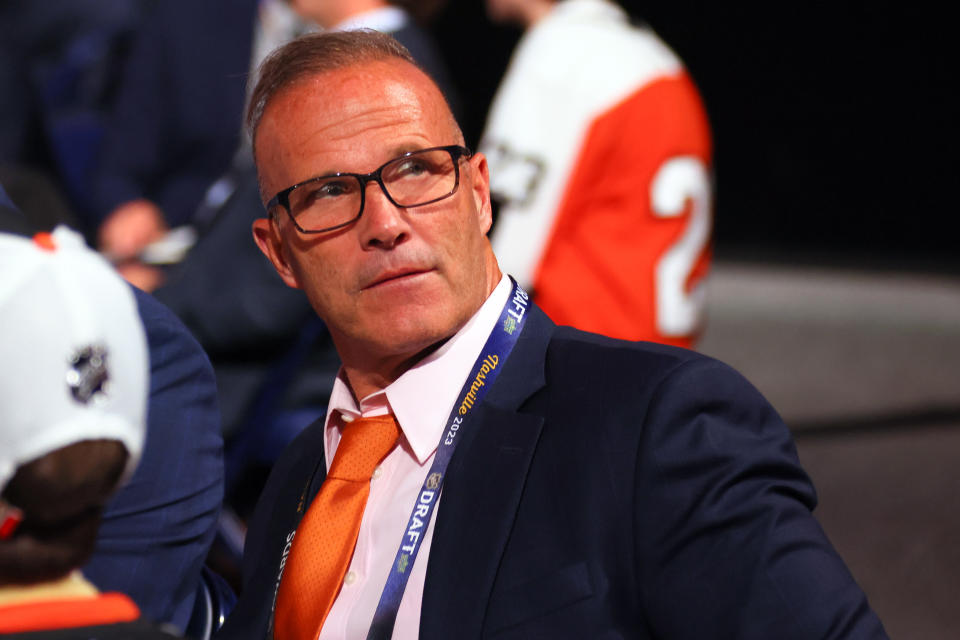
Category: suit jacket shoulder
[619,489]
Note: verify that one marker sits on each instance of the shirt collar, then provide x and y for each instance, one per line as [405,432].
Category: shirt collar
[386,20]
[421,398]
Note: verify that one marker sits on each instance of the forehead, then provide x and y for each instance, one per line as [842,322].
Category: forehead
[353,114]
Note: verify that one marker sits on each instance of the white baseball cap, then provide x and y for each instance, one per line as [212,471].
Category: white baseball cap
[73,354]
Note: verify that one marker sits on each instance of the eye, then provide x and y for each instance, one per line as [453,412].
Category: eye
[334,188]
[329,189]
[422,164]
[412,167]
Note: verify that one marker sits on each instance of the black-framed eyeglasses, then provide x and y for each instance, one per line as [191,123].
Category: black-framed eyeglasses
[415,179]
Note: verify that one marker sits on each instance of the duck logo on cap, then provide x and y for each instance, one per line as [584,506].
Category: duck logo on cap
[87,377]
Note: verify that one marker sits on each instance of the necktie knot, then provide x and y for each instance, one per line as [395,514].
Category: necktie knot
[363,444]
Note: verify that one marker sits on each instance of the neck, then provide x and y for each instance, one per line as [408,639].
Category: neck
[342,11]
[371,379]
[74,585]
[533,12]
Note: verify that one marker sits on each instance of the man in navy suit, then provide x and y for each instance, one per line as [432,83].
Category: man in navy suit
[588,487]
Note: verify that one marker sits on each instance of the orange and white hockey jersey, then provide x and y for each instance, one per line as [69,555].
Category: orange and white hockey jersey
[600,158]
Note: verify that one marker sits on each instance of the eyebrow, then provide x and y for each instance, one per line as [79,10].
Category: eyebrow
[395,152]
[407,148]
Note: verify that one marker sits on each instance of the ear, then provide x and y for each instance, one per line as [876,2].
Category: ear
[266,233]
[480,189]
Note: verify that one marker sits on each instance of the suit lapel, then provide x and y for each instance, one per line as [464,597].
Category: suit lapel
[482,492]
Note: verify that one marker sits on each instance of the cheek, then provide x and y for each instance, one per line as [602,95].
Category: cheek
[464,248]
[321,280]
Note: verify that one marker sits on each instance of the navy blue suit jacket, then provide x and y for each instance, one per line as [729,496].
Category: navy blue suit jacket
[157,530]
[605,490]
[179,113]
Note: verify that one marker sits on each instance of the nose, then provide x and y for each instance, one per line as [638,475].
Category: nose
[382,224]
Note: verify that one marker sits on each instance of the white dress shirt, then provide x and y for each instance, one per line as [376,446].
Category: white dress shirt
[385,19]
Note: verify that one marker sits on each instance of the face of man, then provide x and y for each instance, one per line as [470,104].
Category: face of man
[396,281]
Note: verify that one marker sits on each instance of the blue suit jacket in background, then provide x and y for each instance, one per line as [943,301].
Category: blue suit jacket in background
[179,112]
[604,489]
[157,530]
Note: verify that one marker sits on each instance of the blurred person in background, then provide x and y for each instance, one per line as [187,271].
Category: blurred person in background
[59,70]
[176,121]
[402,19]
[73,401]
[600,162]
[157,530]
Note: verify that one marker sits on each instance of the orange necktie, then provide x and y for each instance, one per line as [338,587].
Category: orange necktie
[323,546]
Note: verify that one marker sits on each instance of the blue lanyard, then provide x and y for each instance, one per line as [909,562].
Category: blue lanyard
[484,372]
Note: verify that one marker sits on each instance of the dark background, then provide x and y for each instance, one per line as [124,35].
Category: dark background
[834,126]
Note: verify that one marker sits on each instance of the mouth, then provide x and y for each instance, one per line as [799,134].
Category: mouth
[396,276]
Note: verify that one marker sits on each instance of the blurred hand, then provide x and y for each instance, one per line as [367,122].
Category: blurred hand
[129,228]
